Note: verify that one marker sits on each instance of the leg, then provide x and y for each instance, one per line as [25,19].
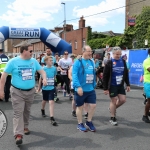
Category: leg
[66,80]
[91,112]
[147,107]
[51,108]
[43,104]
[113,106]
[18,104]
[27,108]
[121,101]
[79,114]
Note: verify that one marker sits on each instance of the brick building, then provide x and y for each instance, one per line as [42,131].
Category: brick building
[134,7]
[77,38]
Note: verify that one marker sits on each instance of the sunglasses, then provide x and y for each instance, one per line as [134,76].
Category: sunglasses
[31,51]
[66,54]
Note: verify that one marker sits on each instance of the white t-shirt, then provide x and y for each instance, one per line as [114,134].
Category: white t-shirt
[65,64]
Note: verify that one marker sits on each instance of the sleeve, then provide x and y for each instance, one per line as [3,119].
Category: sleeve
[106,75]
[9,67]
[75,76]
[38,66]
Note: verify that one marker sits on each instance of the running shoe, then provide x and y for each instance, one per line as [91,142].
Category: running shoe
[113,121]
[81,127]
[146,119]
[90,126]
[74,114]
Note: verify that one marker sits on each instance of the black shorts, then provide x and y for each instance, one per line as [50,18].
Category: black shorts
[48,94]
[116,90]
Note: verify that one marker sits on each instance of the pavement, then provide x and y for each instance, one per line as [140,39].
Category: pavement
[130,134]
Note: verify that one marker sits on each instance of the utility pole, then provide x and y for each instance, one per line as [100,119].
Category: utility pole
[64,20]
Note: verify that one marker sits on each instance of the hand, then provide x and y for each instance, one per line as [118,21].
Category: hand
[106,92]
[2,94]
[44,82]
[80,91]
[128,88]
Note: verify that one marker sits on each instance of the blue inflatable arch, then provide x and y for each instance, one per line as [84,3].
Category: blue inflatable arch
[47,37]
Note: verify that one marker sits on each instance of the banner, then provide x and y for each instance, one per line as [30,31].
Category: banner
[24,33]
[136,59]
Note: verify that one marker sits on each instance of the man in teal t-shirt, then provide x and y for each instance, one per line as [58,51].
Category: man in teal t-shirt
[22,69]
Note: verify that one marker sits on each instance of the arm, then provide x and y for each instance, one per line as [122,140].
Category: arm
[2,84]
[106,75]
[126,75]
[75,77]
[43,74]
[40,82]
[70,74]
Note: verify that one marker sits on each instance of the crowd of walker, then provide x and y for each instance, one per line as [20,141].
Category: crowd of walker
[77,73]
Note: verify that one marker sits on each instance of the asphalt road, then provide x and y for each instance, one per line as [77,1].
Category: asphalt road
[130,134]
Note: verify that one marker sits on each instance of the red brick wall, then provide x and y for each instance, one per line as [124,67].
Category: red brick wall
[78,36]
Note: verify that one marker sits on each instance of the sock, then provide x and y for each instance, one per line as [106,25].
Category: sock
[52,118]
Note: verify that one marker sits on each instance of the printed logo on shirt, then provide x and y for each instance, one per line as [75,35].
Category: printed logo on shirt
[31,64]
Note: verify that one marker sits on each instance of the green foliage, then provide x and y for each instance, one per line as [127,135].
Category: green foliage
[139,32]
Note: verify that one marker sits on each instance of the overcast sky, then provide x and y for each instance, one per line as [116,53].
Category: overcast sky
[50,13]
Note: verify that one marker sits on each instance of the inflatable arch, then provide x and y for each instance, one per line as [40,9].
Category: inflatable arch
[47,37]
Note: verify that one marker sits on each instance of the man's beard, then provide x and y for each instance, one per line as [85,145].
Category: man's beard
[49,54]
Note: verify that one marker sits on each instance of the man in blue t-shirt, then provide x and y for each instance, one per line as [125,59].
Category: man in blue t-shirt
[22,69]
[84,82]
[114,75]
[48,53]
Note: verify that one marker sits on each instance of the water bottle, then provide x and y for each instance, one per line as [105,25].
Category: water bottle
[64,93]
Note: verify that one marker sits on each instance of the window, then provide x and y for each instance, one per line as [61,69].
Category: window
[75,45]
[83,42]
[70,43]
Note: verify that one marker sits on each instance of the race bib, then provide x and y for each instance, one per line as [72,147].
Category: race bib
[27,74]
[89,78]
[64,72]
[50,81]
[119,79]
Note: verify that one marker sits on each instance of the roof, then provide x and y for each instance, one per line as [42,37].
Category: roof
[29,41]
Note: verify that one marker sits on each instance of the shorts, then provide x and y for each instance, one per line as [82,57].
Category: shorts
[87,97]
[116,90]
[48,94]
[147,89]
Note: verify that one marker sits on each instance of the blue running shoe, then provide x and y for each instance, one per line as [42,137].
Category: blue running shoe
[81,127]
[90,126]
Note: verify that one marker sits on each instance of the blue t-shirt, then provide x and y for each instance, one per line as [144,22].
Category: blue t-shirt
[117,72]
[50,74]
[89,70]
[23,72]
[54,60]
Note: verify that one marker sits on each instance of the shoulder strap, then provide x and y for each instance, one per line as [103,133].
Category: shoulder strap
[80,59]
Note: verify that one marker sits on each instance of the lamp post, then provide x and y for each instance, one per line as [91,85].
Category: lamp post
[64,21]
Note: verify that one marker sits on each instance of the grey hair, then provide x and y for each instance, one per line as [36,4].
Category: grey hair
[116,49]
[85,47]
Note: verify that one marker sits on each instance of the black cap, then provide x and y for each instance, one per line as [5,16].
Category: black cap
[1,50]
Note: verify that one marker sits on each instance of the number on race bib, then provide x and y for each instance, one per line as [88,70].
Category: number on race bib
[89,78]
[27,74]
[50,81]
[119,79]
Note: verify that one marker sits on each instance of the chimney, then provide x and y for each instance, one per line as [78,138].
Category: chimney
[81,22]
[69,27]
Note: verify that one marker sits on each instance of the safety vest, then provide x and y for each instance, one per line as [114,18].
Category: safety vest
[3,61]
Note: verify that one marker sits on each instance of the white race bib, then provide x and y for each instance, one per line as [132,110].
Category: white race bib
[64,72]
[89,78]
[27,74]
[50,81]
[119,79]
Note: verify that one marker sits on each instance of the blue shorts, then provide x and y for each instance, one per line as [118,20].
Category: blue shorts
[48,94]
[147,89]
[87,97]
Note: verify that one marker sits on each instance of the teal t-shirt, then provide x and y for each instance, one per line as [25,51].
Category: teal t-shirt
[50,74]
[23,72]
[54,60]
[88,66]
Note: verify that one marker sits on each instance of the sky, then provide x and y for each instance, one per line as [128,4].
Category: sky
[50,14]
